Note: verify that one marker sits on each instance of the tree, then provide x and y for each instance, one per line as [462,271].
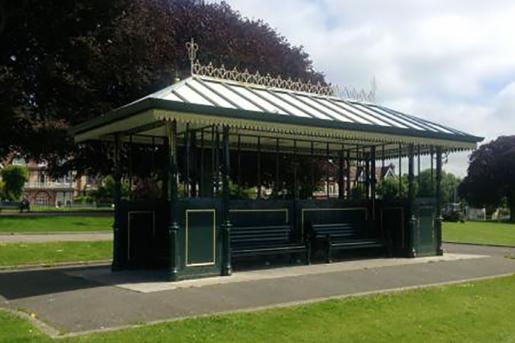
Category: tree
[449,185]
[2,190]
[388,188]
[105,192]
[63,62]
[491,175]
[14,178]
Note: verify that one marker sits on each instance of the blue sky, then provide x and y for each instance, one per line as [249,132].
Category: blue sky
[449,61]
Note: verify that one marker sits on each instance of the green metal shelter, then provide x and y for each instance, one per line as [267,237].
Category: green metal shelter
[213,117]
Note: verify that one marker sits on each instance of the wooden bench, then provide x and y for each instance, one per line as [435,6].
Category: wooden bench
[266,240]
[11,205]
[342,236]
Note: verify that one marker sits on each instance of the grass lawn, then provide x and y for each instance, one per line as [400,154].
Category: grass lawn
[473,312]
[71,209]
[480,233]
[54,224]
[59,209]
[16,254]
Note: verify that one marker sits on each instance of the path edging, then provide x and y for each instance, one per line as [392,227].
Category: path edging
[48,266]
[481,244]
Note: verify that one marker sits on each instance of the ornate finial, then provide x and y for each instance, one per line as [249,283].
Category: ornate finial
[192,48]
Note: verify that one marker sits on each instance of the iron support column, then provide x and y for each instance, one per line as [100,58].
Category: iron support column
[373,180]
[173,227]
[411,200]
[438,219]
[117,196]
[295,181]
[276,184]
[367,175]
[347,172]
[226,226]
[400,171]
[341,177]
[259,188]
[327,174]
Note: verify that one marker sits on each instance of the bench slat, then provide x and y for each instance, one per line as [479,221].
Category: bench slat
[344,236]
[263,240]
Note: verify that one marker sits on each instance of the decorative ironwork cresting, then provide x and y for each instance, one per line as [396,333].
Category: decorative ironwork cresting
[209,70]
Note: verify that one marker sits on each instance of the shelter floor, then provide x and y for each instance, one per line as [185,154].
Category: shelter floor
[83,299]
[155,281]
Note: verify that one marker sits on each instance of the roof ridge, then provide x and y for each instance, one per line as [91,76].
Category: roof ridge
[256,78]
[268,81]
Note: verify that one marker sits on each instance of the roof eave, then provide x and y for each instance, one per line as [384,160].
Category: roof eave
[154,103]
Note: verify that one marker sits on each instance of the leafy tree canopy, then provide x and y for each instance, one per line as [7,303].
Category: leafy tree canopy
[389,188]
[63,62]
[13,179]
[491,175]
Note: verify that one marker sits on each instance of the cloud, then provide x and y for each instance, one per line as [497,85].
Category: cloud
[448,61]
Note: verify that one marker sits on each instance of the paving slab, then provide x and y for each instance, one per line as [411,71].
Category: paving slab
[56,237]
[74,304]
[155,281]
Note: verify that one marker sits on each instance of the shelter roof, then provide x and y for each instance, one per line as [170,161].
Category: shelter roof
[278,107]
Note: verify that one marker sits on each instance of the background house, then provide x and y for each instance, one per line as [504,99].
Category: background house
[357,176]
[41,189]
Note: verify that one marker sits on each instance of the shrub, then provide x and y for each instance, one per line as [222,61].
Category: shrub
[14,178]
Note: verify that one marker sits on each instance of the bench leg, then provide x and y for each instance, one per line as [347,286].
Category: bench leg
[308,254]
[329,251]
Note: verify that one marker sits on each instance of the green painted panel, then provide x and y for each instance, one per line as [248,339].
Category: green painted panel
[394,227]
[260,212]
[141,231]
[262,217]
[195,237]
[200,237]
[143,236]
[426,235]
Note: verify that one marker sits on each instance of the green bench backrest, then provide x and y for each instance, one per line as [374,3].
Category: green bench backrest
[260,235]
[340,230]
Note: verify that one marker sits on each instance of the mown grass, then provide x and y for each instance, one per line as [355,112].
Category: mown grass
[56,223]
[472,312]
[19,254]
[479,233]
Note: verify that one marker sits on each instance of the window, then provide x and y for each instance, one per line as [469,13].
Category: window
[42,178]
[19,162]
[42,199]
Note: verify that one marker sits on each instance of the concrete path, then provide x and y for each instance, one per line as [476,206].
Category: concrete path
[75,304]
[56,237]
[480,249]
[17,214]
[148,281]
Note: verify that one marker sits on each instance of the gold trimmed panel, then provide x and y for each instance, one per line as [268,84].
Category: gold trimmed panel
[186,250]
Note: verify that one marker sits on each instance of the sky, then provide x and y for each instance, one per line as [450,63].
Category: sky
[449,61]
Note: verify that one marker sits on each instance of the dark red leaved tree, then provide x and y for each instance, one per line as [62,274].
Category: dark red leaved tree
[491,175]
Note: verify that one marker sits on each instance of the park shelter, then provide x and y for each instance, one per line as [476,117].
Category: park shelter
[213,117]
